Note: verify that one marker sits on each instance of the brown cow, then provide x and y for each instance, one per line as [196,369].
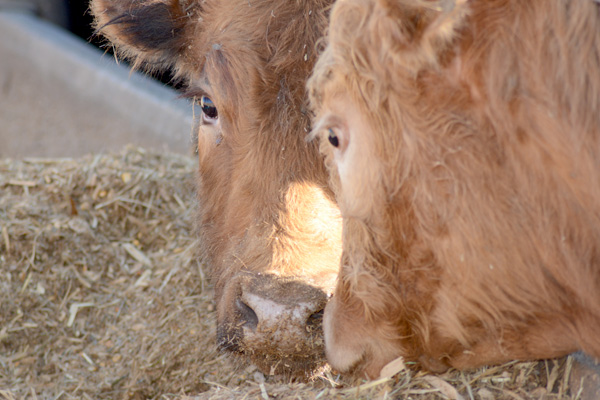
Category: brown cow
[271,230]
[463,140]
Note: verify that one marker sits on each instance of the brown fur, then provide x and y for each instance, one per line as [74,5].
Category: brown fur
[265,207]
[473,128]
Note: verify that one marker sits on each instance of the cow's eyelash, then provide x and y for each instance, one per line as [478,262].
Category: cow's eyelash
[193,93]
[313,134]
[318,131]
[322,127]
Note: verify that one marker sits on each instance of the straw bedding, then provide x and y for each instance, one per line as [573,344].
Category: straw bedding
[102,296]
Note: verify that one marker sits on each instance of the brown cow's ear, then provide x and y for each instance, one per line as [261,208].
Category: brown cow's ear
[148,31]
[423,28]
[422,19]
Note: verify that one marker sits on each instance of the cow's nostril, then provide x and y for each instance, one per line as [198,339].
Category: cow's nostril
[314,321]
[248,317]
[227,341]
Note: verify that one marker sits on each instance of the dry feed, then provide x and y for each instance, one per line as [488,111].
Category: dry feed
[102,296]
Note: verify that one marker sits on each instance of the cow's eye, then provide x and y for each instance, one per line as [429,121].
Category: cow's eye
[333,138]
[208,109]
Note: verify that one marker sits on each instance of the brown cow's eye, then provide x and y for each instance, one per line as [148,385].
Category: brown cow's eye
[333,139]
[208,108]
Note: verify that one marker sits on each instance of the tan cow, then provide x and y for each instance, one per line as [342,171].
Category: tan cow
[463,139]
[270,228]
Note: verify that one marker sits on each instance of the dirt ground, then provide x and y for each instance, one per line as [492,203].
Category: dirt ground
[102,296]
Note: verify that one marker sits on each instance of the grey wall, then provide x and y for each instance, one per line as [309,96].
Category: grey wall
[60,96]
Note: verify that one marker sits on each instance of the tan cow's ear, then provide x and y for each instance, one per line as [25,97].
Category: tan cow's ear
[147,31]
[423,28]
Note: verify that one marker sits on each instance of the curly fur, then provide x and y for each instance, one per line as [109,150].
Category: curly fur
[479,241]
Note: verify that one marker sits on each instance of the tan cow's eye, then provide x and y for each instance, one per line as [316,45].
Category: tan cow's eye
[332,137]
[208,108]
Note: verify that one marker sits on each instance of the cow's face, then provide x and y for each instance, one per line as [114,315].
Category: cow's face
[270,228]
[359,322]
[366,100]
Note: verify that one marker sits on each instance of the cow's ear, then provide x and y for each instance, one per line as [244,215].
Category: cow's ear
[147,31]
[423,28]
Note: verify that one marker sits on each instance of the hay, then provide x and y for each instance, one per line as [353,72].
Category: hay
[103,296]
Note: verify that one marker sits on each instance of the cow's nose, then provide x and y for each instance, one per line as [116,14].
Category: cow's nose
[258,312]
[275,321]
[280,316]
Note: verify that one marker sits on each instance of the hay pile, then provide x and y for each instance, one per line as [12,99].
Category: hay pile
[103,296]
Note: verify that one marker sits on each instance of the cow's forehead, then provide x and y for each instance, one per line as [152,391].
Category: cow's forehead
[256,55]
[245,35]
[280,32]
[245,22]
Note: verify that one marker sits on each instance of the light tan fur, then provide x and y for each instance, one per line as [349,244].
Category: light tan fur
[479,126]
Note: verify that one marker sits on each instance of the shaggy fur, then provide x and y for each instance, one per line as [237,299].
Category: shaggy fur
[473,128]
[265,206]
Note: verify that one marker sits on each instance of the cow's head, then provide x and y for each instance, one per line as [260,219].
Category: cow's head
[470,210]
[271,230]
[367,92]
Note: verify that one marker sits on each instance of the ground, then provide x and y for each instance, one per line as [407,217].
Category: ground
[103,296]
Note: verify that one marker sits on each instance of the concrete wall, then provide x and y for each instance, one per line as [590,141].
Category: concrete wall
[55,11]
[60,96]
